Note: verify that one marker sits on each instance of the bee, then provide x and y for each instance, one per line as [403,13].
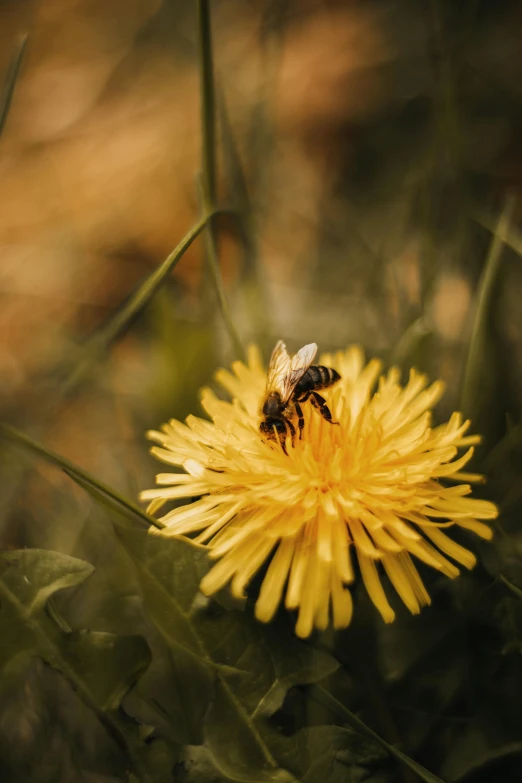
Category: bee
[290,382]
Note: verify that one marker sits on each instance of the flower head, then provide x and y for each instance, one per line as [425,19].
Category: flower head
[382,486]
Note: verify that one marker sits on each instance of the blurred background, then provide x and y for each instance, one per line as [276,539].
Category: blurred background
[369,165]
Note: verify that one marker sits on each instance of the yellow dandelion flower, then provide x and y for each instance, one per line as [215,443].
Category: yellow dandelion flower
[376,486]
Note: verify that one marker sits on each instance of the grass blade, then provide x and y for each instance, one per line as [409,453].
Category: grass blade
[10,81]
[136,302]
[511,238]
[484,296]
[150,285]
[410,343]
[207,180]
[514,589]
[82,477]
[208,102]
[323,697]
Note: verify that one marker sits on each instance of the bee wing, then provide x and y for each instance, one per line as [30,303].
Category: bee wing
[298,366]
[278,368]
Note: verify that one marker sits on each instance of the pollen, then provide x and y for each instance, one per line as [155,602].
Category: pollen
[369,498]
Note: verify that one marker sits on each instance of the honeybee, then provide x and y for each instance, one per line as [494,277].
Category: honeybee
[291,381]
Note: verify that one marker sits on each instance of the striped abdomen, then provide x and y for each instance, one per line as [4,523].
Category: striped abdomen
[315,378]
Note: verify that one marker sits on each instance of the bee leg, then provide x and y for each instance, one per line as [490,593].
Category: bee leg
[282,438]
[320,403]
[299,412]
[291,428]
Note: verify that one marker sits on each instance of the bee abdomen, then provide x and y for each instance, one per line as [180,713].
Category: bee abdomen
[328,375]
[317,377]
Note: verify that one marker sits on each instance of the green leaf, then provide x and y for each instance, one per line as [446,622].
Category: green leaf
[253,666]
[33,575]
[169,575]
[173,696]
[100,491]
[100,667]
[108,664]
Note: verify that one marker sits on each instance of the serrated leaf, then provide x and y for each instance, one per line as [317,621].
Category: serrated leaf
[101,667]
[35,574]
[236,742]
[28,578]
[253,665]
